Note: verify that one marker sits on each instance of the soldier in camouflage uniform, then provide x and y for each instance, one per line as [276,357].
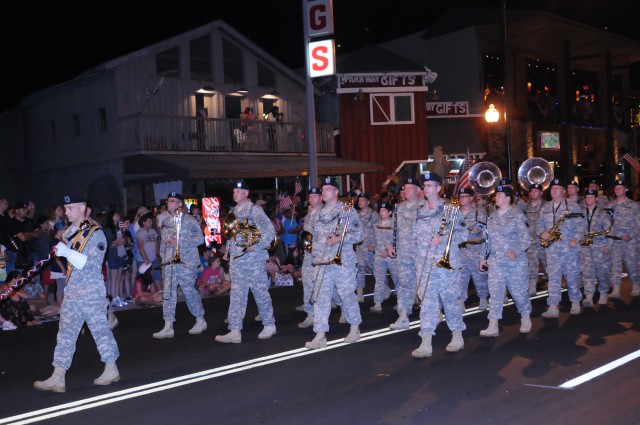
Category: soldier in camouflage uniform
[308,271]
[507,262]
[573,193]
[365,251]
[563,256]
[248,268]
[476,219]
[406,250]
[327,237]
[595,260]
[535,254]
[180,237]
[84,297]
[384,239]
[438,288]
[626,222]
[602,201]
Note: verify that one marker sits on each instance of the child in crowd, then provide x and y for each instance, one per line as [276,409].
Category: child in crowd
[144,292]
[214,280]
[16,309]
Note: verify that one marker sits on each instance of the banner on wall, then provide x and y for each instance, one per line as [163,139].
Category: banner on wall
[211,217]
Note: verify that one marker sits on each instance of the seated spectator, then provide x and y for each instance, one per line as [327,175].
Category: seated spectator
[293,263]
[7,325]
[214,280]
[16,308]
[144,294]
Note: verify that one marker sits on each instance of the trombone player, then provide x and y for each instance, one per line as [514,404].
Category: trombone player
[179,240]
[438,285]
[337,225]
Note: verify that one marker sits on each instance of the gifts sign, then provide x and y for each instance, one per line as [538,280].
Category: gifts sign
[211,216]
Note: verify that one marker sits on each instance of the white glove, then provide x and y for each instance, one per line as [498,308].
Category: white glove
[77,259]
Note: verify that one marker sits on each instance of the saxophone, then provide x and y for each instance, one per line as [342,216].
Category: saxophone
[554,233]
[587,240]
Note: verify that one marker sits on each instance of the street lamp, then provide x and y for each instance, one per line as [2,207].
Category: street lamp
[492,115]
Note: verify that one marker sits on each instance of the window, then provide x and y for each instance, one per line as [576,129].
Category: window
[52,129]
[233,63]
[392,109]
[102,119]
[266,76]
[168,62]
[200,58]
[75,122]
[549,140]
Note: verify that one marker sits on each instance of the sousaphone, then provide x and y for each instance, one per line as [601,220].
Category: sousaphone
[535,171]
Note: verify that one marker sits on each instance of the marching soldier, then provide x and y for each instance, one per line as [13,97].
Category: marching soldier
[476,220]
[365,252]
[507,262]
[84,297]
[181,234]
[563,255]
[308,271]
[626,222]
[337,226]
[438,287]
[384,238]
[248,268]
[535,254]
[405,251]
[602,200]
[595,260]
[573,192]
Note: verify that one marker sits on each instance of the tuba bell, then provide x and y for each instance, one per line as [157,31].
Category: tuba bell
[535,171]
[484,177]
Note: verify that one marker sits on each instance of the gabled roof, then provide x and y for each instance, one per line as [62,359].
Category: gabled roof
[371,58]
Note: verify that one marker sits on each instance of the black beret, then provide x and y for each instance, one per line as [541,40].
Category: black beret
[175,195]
[412,181]
[431,177]
[364,195]
[466,191]
[241,184]
[535,186]
[329,182]
[386,205]
[590,192]
[73,198]
[315,191]
[507,190]
[557,182]
[619,183]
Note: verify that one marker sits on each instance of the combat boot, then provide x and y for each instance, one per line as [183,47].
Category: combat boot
[552,312]
[360,294]
[482,306]
[166,332]
[306,323]
[354,335]
[199,327]
[525,324]
[575,308]
[492,330]
[112,320]
[401,323]
[588,301]
[319,341]
[109,376]
[234,337]
[377,308]
[603,298]
[267,332]
[615,292]
[55,383]
[425,349]
[456,344]
[635,290]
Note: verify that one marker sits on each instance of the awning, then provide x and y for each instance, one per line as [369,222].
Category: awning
[153,168]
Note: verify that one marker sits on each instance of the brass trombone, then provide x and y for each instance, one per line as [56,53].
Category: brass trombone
[177,220]
[345,216]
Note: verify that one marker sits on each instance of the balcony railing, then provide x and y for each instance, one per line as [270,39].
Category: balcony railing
[159,133]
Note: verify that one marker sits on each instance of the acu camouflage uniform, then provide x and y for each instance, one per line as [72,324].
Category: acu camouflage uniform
[384,238]
[406,254]
[364,257]
[595,264]
[476,217]
[535,254]
[626,221]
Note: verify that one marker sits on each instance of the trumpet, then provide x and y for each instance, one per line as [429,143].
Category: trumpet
[587,240]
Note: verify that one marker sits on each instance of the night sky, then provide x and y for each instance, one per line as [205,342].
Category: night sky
[45,44]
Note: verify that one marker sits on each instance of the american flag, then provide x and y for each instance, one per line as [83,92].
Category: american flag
[463,179]
[632,159]
[298,187]
[285,200]
[204,112]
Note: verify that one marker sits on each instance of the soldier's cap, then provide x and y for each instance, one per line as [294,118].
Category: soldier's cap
[431,177]
[175,195]
[590,192]
[574,183]
[535,186]
[619,183]
[315,191]
[557,182]
[386,205]
[465,191]
[412,181]
[445,196]
[364,195]
[72,198]
[505,182]
[241,184]
[594,181]
[20,204]
[329,182]
[507,190]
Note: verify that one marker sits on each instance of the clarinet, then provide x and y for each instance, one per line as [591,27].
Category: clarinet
[395,229]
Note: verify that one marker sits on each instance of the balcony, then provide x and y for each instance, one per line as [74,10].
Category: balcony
[156,134]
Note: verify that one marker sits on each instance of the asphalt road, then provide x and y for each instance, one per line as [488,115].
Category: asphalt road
[191,379]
